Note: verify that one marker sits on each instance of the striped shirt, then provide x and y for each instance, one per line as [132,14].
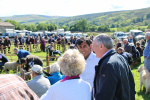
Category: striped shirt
[12,87]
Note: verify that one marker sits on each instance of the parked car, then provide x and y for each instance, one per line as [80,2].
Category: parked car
[137,34]
[119,35]
[78,35]
[10,35]
[68,36]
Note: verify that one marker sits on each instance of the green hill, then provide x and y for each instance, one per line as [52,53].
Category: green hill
[30,19]
[139,17]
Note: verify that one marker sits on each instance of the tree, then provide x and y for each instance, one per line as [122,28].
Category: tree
[148,26]
[66,28]
[31,27]
[112,26]
[93,28]
[42,26]
[104,28]
[83,25]
[148,16]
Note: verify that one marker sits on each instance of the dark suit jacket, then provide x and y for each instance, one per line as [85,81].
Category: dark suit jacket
[28,41]
[113,78]
[50,40]
[128,48]
[7,43]
[1,43]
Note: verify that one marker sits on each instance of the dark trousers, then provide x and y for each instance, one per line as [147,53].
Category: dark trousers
[43,48]
[5,50]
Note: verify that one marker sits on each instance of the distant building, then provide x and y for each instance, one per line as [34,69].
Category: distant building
[5,25]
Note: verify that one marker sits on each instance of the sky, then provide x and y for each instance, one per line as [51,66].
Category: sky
[67,7]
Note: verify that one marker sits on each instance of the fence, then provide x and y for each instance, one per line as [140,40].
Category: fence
[46,64]
[30,48]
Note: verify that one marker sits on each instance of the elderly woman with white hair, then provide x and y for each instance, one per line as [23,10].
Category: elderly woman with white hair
[72,64]
[55,74]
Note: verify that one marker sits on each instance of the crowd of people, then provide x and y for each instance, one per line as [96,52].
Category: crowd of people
[91,69]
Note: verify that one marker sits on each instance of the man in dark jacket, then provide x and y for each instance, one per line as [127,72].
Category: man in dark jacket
[113,77]
[7,43]
[31,60]
[28,42]
[127,47]
[51,40]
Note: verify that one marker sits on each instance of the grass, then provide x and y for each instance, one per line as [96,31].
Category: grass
[140,95]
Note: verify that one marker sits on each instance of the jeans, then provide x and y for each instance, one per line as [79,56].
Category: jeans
[147,63]
[57,52]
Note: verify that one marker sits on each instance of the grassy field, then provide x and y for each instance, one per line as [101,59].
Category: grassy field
[140,95]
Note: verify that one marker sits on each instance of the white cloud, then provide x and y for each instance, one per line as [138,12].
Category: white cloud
[67,7]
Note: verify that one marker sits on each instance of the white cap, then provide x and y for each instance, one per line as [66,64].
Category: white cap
[36,68]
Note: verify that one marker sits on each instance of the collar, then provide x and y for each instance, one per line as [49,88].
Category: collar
[148,40]
[107,52]
[70,77]
[90,56]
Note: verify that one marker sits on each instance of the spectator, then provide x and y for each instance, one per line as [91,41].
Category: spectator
[65,39]
[130,39]
[75,38]
[37,40]
[52,51]
[113,77]
[3,59]
[21,40]
[41,36]
[126,55]
[72,40]
[118,44]
[142,42]
[72,64]
[55,37]
[147,52]
[16,41]
[51,40]
[90,59]
[21,53]
[127,47]
[32,40]
[55,74]
[92,37]
[31,60]
[13,87]
[63,44]
[142,49]
[28,42]
[43,44]
[59,39]
[7,44]
[138,48]
[46,37]
[39,84]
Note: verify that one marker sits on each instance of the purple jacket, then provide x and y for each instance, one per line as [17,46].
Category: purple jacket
[42,42]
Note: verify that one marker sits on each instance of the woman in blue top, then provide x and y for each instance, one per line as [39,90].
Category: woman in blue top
[55,74]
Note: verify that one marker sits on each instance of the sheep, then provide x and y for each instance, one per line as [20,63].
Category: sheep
[10,66]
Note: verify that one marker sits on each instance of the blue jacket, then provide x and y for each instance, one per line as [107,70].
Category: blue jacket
[22,53]
[56,76]
[147,49]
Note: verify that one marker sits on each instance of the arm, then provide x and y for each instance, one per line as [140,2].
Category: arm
[148,56]
[107,84]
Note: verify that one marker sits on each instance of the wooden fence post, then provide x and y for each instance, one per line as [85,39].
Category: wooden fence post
[2,49]
[22,73]
[30,47]
[48,69]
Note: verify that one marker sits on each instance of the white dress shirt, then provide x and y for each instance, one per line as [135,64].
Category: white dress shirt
[89,71]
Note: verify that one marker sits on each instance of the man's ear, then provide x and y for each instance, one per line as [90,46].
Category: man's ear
[91,46]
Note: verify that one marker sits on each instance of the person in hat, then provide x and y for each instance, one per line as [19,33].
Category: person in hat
[39,84]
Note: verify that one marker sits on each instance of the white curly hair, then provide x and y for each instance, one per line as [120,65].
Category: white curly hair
[72,63]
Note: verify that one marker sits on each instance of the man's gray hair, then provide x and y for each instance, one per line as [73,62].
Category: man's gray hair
[6,37]
[125,40]
[37,73]
[106,40]
[15,48]
[147,34]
